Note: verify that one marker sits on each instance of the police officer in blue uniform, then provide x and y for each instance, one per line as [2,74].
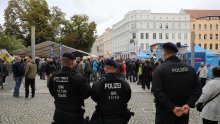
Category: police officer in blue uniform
[111,95]
[69,90]
[176,88]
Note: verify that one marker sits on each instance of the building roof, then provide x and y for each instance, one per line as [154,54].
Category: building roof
[44,50]
[202,13]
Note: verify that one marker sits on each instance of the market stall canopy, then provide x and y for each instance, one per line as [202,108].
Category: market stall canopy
[47,49]
[142,56]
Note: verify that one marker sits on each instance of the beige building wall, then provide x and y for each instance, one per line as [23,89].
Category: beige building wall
[207,34]
[206,25]
[107,43]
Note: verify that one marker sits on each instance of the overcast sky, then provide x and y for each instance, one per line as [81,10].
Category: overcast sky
[108,12]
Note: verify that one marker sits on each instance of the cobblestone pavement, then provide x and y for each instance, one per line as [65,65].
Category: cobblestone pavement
[39,110]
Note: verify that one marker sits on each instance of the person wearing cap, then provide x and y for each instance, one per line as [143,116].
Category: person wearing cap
[111,95]
[69,90]
[176,88]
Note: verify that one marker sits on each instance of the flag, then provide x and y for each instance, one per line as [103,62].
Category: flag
[6,56]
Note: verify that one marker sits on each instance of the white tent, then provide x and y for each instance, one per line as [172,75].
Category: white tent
[46,49]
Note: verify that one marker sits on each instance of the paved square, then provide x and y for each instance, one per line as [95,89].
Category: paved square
[40,109]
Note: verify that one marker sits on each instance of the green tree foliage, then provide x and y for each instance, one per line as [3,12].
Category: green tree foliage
[10,42]
[79,33]
[12,19]
[50,24]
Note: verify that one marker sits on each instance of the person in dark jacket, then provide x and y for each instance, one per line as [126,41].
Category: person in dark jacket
[18,72]
[137,64]
[146,75]
[111,95]
[87,69]
[131,69]
[176,88]
[49,69]
[69,90]
[4,71]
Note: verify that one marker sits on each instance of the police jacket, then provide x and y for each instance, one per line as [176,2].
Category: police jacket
[69,90]
[111,94]
[175,83]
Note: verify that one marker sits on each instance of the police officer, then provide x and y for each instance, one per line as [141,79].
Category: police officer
[111,95]
[69,90]
[176,88]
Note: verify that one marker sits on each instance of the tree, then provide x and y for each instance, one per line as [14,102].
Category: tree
[57,21]
[10,43]
[79,33]
[20,15]
[12,19]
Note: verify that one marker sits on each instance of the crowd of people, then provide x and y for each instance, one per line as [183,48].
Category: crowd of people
[176,86]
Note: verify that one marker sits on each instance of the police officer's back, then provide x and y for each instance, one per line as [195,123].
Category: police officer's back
[69,90]
[111,95]
[176,88]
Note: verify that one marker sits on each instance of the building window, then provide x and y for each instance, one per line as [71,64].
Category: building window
[185,36]
[216,26]
[216,36]
[132,26]
[173,35]
[211,27]
[210,46]
[147,46]
[147,25]
[161,26]
[142,35]
[160,36]
[216,46]
[179,26]
[194,26]
[154,36]
[140,25]
[179,35]
[167,35]
[167,26]
[205,46]
[200,36]
[205,36]
[205,27]
[135,26]
[211,36]
[200,26]
[154,26]
[147,35]
[173,26]
[200,44]
[134,35]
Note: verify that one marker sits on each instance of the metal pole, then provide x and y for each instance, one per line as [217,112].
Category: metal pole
[193,49]
[33,42]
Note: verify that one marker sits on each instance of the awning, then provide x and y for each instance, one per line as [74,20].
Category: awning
[46,49]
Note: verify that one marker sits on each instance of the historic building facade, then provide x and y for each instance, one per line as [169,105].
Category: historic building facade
[206,25]
[141,28]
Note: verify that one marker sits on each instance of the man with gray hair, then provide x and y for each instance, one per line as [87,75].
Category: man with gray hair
[202,73]
[18,72]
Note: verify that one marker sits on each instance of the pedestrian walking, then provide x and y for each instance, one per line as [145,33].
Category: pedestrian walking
[30,74]
[176,88]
